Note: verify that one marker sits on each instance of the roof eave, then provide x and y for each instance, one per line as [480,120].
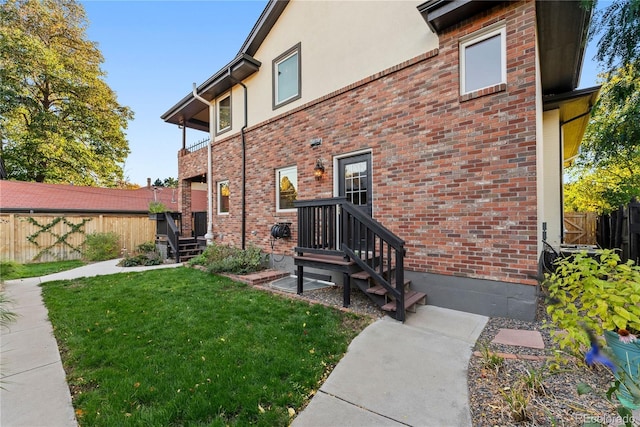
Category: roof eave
[263,26]
[241,67]
[575,111]
[553,101]
[79,211]
[563,28]
[441,14]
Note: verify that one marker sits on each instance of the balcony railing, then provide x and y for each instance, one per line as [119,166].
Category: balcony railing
[198,145]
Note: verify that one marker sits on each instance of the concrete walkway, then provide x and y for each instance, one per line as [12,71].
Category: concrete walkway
[34,390]
[393,374]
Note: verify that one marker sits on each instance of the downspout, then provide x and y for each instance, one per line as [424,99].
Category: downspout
[244,154]
[209,235]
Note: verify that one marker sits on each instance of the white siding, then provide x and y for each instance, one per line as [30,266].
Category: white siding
[342,42]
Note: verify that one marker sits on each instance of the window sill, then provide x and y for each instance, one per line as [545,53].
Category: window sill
[483,92]
[221,131]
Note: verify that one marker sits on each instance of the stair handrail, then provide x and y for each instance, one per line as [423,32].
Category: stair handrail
[320,232]
[173,236]
[390,239]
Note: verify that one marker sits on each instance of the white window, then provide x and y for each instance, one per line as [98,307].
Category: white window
[286,77]
[224,113]
[223,197]
[286,188]
[483,61]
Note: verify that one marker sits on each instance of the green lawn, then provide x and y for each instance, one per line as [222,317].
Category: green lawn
[12,270]
[183,347]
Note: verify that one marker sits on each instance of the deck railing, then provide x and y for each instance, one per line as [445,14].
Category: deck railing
[318,228]
[173,236]
[337,227]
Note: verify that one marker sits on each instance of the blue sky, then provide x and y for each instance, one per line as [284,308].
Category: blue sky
[155,50]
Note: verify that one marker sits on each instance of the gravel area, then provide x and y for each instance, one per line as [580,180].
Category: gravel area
[555,403]
[360,303]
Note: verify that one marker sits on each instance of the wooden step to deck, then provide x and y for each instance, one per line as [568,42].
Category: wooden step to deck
[324,259]
[363,275]
[381,290]
[410,298]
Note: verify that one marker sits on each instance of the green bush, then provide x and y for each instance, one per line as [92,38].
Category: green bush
[102,246]
[146,247]
[599,293]
[227,259]
[157,207]
[146,254]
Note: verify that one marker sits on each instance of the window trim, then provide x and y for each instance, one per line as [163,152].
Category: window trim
[277,179]
[228,128]
[497,29]
[274,86]
[219,196]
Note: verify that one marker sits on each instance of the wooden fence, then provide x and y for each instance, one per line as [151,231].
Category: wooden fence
[61,236]
[621,230]
[580,228]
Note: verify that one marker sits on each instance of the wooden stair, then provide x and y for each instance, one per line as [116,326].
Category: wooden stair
[380,295]
[188,247]
[360,247]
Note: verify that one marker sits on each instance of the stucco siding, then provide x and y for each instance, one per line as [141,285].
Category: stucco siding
[341,42]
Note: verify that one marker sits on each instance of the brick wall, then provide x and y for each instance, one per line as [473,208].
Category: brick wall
[455,177]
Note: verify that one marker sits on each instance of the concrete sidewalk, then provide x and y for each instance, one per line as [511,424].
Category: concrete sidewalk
[397,375]
[34,389]
[393,374]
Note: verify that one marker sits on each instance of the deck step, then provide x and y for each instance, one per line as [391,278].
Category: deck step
[363,275]
[381,290]
[325,259]
[410,298]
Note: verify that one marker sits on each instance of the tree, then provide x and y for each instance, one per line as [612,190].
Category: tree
[619,28]
[168,182]
[603,190]
[607,172]
[613,134]
[59,120]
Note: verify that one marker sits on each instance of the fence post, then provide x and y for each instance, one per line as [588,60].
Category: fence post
[12,237]
[634,231]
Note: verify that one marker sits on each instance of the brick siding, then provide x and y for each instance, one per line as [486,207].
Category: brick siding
[455,177]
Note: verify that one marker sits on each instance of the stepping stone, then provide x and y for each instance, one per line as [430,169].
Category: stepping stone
[521,338]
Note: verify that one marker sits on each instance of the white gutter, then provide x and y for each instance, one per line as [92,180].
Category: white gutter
[209,235]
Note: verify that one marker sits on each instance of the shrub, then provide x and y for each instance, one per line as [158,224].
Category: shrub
[102,246]
[157,207]
[146,254]
[227,259]
[146,247]
[598,293]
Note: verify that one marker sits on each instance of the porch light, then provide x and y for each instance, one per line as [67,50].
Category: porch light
[318,171]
